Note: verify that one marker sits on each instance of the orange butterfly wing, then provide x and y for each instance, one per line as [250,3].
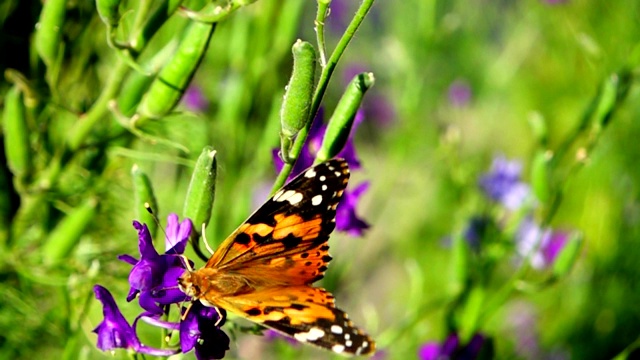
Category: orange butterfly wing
[304,313]
[285,241]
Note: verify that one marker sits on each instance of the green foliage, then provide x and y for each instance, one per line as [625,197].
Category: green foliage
[93,128]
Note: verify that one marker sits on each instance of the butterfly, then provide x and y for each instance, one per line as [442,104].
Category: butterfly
[265,269]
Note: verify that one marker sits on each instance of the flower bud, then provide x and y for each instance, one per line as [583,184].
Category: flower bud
[341,121]
[298,96]
[200,195]
[16,134]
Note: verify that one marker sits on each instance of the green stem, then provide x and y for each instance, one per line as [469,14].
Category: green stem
[321,16]
[325,76]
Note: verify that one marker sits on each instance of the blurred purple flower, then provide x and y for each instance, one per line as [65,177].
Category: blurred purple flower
[272,335]
[475,231]
[154,280]
[541,245]
[452,349]
[346,218]
[114,332]
[503,183]
[194,99]
[459,93]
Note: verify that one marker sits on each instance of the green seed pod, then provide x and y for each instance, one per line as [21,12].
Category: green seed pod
[540,180]
[341,121]
[16,133]
[167,89]
[66,235]
[607,100]
[298,96]
[200,195]
[568,255]
[108,12]
[48,35]
[143,196]
[539,128]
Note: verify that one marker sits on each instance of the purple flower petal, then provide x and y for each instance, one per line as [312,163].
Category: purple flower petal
[503,183]
[459,93]
[194,100]
[554,245]
[201,329]
[115,332]
[429,351]
[177,234]
[346,218]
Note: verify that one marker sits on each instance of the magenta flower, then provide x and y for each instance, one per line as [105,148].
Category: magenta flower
[503,184]
[459,93]
[541,245]
[154,280]
[194,99]
[452,349]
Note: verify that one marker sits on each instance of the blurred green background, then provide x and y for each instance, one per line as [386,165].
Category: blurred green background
[423,147]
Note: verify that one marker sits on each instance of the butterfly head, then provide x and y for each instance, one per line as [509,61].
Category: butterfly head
[189,284]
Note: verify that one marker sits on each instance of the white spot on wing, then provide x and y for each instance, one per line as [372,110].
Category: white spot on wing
[289,195]
[348,343]
[311,335]
[324,187]
[347,336]
[316,200]
[295,198]
[338,348]
[277,195]
[336,329]
[323,178]
[338,173]
[310,173]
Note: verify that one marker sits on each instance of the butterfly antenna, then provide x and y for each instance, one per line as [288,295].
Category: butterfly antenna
[206,243]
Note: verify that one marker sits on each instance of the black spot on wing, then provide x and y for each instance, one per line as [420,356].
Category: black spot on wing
[291,241]
[243,239]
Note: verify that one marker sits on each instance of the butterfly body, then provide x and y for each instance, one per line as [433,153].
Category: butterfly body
[264,270]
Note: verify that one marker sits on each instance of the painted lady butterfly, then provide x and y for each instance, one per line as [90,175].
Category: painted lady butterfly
[265,269]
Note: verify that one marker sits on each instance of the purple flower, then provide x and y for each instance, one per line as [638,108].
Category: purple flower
[346,218]
[475,231]
[201,330]
[114,332]
[194,100]
[503,183]
[452,349]
[541,245]
[459,93]
[154,280]
[272,335]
